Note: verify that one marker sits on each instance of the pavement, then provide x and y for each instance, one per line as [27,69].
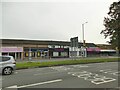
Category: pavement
[93,75]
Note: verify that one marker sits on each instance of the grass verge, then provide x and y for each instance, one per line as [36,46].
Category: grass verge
[25,65]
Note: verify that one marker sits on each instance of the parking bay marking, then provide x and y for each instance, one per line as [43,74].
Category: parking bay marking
[47,82]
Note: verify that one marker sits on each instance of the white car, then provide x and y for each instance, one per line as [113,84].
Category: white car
[7,65]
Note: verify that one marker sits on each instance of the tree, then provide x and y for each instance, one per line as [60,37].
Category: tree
[112,25]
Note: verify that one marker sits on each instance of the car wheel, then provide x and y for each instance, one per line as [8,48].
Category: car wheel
[7,71]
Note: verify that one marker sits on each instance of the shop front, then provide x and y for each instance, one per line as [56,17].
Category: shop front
[16,52]
[93,51]
[36,53]
[59,52]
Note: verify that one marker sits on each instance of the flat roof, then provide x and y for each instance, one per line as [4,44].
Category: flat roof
[42,42]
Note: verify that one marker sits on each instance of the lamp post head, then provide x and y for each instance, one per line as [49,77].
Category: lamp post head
[84,23]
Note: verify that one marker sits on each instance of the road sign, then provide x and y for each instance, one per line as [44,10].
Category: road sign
[74,42]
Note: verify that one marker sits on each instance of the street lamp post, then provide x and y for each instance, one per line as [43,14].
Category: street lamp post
[84,46]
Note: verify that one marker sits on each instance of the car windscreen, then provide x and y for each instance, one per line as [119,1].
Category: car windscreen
[2,59]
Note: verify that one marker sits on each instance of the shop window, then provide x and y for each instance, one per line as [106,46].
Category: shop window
[64,54]
[42,54]
[46,53]
[38,54]
[26,54]
[55,54]
[12,54]
[33,54]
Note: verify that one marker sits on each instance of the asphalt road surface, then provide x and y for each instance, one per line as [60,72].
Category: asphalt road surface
[96,75]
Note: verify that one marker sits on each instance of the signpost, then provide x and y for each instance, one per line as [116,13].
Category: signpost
[74,42]
[74,46]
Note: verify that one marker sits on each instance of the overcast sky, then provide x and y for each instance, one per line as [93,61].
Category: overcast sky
[54,19]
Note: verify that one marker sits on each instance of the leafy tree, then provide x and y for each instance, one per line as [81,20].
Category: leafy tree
[112,25]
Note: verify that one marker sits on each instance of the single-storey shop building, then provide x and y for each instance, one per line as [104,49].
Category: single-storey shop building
[37,49]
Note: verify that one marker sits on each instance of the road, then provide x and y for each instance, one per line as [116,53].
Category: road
[97,75]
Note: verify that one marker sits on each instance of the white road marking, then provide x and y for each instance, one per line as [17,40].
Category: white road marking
[79,66]
[81,74]
[14,86]
[105,70]
[93,77]
[47,82]
[101,70]
[116,73]
[61,68]
[76,72]
[103,81]
[110,71]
